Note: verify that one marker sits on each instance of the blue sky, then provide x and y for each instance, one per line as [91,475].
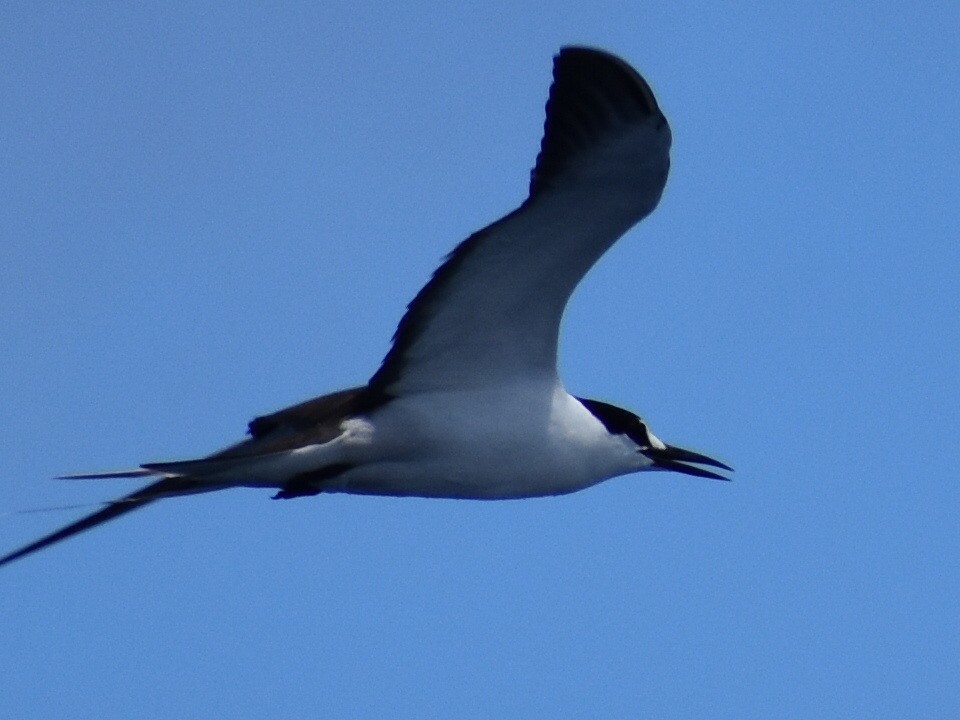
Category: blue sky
[208,213]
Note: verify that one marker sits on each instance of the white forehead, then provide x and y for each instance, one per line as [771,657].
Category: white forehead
[655,441]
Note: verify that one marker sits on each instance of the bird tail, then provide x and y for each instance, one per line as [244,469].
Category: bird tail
[135,472]
[168,486]
[184,477]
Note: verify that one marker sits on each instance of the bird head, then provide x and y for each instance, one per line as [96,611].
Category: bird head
[618,421]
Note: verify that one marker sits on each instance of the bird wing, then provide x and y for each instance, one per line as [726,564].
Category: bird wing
[491,312]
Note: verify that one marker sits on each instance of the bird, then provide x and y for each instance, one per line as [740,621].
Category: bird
[468,402]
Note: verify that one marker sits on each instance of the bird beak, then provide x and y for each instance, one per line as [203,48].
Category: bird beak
[677,459]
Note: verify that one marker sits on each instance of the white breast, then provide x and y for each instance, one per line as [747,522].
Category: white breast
[517,440]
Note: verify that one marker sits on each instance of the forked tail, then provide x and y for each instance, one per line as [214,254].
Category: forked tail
[167,487]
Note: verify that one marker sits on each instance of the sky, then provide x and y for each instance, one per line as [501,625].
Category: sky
[210,212]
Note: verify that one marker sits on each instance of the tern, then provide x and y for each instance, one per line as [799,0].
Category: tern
[468,402]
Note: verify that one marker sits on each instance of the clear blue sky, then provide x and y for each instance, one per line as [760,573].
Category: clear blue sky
[207,214]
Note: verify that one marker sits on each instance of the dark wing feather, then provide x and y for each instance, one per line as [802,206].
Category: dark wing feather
[312,422]
[581,108]
[310,413]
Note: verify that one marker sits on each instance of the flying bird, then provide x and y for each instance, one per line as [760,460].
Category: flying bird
[467,402]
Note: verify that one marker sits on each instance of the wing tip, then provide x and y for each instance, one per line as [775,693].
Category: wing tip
[592,92]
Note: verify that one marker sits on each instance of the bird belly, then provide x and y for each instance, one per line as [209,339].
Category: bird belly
[504,443]
[450,479]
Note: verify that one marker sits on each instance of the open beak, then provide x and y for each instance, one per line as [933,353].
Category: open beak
[678,459]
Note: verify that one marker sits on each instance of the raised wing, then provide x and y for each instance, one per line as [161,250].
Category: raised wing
[491,313]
